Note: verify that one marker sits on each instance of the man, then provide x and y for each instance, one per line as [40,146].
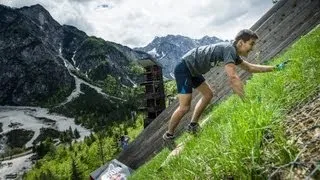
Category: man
[188,74]
[123,142]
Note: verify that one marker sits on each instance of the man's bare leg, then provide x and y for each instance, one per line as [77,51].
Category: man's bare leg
[184,107]
[207,95]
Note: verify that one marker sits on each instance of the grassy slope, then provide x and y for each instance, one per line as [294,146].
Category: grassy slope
[231,143]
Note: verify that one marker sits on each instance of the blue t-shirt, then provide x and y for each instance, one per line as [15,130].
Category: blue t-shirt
[201,59]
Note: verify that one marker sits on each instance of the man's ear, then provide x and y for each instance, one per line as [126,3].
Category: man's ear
[241,42]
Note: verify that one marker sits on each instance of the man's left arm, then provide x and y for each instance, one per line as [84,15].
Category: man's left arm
[255,68]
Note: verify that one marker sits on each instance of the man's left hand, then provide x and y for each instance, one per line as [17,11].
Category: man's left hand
[281,66]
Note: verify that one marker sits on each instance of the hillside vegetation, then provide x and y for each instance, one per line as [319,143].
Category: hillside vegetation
[78,159]
[246,140]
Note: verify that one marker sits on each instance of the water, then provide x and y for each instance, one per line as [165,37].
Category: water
[26,118]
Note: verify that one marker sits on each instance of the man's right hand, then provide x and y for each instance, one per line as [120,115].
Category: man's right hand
[234,80]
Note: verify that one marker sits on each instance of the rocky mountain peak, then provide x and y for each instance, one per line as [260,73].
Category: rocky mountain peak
[39,15]
[207,39]
[169,49]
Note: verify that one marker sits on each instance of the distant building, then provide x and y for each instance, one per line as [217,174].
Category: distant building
[154,89]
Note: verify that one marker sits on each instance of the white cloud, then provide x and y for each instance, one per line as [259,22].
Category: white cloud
[137,22]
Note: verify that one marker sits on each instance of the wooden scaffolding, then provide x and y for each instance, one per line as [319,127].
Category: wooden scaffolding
[154,89]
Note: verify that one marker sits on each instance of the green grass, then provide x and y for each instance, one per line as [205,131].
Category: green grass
[231,143]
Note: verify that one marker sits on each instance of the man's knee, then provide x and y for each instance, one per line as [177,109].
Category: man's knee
[208,95]
[184,109]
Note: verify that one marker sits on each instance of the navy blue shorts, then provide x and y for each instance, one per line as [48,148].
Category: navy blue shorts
[185,81]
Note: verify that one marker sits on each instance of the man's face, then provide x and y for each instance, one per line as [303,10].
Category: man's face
[245,47]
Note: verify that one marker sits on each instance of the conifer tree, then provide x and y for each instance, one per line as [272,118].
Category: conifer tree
[75,173]
[76,133]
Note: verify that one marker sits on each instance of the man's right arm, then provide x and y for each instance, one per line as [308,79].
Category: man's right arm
[234,80]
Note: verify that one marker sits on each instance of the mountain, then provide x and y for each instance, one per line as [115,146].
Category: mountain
[27,57]
[32,48]
[169,49]
[43,63]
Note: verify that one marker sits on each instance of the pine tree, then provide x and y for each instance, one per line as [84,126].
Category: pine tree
[100,145]
[40,150]
[92,137]
[70,132]
[45,175]
[76,133]
[75,173]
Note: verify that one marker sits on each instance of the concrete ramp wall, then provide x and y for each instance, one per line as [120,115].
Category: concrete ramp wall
[285,22]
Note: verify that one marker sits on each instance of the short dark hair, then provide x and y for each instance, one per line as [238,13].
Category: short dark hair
[245,35]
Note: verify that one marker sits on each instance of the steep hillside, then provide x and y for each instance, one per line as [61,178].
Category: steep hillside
[285,22]
[247,140]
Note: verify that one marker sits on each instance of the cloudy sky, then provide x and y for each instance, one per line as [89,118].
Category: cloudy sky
[136,22]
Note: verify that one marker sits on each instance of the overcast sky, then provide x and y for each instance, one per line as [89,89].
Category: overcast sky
[136,22]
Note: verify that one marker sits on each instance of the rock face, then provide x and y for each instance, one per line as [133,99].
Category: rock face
[30,71]
[32,48]
[169,49]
